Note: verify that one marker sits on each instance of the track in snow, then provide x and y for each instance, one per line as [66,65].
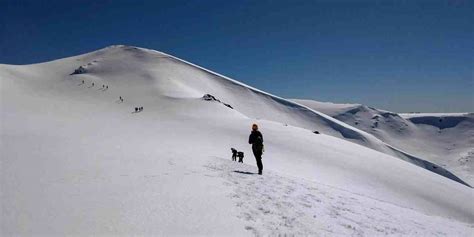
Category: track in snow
[276,205]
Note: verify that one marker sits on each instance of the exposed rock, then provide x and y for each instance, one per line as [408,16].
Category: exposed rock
[79,70]
[209,97]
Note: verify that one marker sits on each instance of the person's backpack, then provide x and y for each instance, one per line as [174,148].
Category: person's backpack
[259,144]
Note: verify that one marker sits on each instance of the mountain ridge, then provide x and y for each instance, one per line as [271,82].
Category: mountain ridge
[78,159]
[445,139]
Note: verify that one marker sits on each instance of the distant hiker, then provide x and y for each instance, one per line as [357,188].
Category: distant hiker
[141,108]
[82,81]
[120,98]
[240,154]
[256,139]
[136,109]
[103,86]
[107,87]
[92,83]
[234,154]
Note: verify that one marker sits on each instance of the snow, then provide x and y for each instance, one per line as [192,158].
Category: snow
[413,115]
[446,139]
[77,161]
[311,208]
[329,108]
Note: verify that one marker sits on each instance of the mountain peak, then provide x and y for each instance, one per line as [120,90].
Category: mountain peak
[121,47]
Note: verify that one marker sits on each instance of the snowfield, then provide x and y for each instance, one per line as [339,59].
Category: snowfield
[445,139]
[75,160]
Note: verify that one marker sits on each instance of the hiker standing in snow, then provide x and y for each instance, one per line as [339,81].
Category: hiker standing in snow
[256,139]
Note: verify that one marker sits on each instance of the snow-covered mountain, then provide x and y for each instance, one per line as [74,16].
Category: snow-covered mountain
[444,139]
[77,160]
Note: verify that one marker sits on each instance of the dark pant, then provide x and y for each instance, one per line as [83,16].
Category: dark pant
[258,158]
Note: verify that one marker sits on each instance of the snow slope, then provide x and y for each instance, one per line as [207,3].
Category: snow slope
[169,79]
[444,139]
[76,160]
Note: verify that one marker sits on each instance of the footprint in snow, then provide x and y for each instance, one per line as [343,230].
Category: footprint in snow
[276,205]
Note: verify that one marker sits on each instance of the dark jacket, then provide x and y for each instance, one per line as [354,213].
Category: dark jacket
[256,139]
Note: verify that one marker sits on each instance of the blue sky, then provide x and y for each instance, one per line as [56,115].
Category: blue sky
[395,55]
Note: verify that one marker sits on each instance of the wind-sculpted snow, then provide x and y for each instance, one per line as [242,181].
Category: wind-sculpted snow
[78,160]
[443,122]
[438,142]
[431,167]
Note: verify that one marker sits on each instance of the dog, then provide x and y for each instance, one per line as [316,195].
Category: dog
[240,154]
[234,154]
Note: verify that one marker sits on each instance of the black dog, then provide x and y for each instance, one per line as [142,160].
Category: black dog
[241,156]
[234,154]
